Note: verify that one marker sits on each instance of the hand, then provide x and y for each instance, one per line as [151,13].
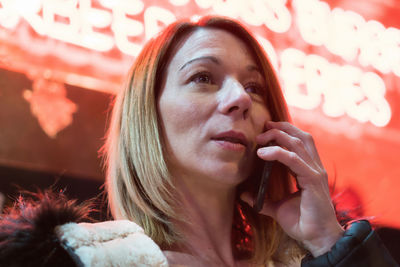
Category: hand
[307,215]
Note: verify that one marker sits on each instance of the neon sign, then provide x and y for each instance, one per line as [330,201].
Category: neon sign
[80,23]
[109,27]
[345,89]
[368,41]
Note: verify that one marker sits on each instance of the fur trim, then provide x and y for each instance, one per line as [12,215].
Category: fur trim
[111,243]
[27,236]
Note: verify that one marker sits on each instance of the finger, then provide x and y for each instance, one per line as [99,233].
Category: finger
[292,130]
[286,127]
[287,141]
[304,172]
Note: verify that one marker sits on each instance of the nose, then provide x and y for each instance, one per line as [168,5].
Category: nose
[234,100]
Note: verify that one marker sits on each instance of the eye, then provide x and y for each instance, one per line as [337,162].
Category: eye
[202,77]
[254,88]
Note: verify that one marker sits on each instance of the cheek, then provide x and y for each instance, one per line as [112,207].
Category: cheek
[183,122]
[261,116]
[178,116]
[183,127]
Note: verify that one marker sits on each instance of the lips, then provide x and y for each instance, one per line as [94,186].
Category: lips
[232,137]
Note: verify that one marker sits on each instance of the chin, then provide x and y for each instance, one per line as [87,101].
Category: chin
[230,174]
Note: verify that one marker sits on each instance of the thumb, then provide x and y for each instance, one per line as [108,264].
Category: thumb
[268,209]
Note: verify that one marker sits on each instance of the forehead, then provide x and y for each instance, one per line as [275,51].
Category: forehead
[209,41]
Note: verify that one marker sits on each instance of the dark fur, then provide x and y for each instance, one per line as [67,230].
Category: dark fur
[27,230]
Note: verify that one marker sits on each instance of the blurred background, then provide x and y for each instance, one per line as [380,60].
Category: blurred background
[62,61]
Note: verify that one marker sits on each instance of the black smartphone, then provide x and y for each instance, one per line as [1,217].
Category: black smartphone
[262,188]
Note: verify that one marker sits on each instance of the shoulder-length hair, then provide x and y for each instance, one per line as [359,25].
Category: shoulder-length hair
[138,182]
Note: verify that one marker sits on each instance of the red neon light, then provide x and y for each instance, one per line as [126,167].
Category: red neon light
[308,79]
[319,25]
[348,35]
[106,25]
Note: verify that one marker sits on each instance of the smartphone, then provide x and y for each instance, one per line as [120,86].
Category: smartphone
[263,182]
[262,188]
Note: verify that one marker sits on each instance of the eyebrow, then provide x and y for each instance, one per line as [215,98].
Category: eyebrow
[213,59]
[250,68]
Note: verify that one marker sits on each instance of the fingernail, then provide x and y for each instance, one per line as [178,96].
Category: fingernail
[262,150]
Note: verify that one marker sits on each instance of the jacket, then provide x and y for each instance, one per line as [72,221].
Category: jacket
[53,232]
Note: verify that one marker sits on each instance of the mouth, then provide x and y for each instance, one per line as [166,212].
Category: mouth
[232,137]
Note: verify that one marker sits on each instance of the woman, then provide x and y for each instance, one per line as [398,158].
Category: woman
[201,104]
[201,114]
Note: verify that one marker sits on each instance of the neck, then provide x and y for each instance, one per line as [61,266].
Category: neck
[207,228]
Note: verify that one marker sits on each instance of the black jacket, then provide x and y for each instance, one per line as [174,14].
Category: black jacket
[359,246]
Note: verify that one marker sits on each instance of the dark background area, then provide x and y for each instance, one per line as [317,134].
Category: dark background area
[32,160]
[14,181]
[74,151]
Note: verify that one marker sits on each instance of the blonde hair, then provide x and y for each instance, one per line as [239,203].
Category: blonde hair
[138,182]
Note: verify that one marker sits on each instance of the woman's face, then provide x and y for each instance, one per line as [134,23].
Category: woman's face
[211,108]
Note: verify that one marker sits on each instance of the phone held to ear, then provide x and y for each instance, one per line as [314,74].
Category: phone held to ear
[262,189]
[263,182]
